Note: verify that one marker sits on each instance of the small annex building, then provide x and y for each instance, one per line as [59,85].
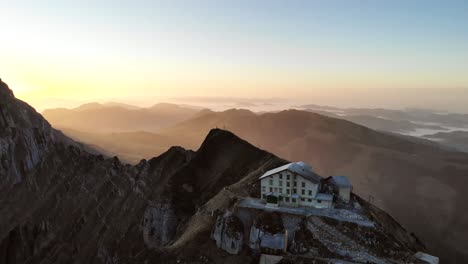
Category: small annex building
[294,184]
[341,186]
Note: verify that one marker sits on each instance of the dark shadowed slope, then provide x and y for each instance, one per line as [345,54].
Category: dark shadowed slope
[102,118]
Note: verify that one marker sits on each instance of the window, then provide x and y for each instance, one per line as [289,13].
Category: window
[287,191]
[286,199]
[281,176]
[295,184]
[303,192]
[271,181]
[288,184]
[302,199]
[280,183]
[263,188]
[295,191]
[309,200]
[287,177]
[319,201]
[310,192]
[281,190]
[293,200]
[271,189]
[303,184]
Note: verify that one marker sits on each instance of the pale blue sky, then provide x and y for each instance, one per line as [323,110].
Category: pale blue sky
[322,50]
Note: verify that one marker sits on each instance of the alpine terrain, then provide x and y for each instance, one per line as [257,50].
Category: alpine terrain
[61,204]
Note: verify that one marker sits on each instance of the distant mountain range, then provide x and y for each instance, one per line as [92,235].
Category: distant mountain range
[411,178]
[117,117]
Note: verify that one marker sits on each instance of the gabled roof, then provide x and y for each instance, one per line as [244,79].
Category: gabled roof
[301,168]
[341,181]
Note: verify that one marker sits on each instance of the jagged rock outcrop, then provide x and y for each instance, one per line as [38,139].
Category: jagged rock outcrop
[5,91]
[159,224]
[25,137]
[268,233]
[229,233]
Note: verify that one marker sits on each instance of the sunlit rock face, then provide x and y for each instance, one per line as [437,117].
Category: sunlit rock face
[25,137]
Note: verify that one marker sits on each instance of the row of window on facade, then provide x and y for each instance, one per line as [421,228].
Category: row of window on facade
[288,191]
[293,200]
[288,184]
[287,176]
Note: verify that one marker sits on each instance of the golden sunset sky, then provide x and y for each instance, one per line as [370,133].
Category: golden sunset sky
[344,53]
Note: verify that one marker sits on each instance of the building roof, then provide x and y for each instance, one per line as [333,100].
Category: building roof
[324,197]
[301,168]
[341,181]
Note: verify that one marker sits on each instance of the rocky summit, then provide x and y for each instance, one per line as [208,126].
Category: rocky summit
[59,203]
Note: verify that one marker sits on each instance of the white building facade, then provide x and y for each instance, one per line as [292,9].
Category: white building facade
[294,184]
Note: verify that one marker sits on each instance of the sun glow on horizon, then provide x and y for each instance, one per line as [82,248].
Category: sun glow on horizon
[364,54]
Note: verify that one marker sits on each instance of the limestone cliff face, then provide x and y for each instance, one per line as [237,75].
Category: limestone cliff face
[25,137]
[320,236]
[268,232]
[229,233]
[159,224]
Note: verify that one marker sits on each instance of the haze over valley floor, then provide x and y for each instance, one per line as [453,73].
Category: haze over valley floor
[88,120]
